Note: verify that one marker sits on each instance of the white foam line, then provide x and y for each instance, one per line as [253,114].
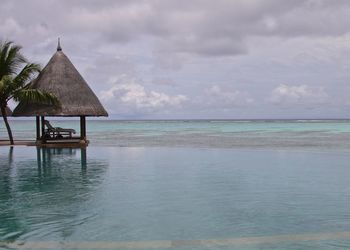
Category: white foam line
[176,243]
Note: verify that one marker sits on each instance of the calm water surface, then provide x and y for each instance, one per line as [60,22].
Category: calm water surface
[174,198]
[275,134]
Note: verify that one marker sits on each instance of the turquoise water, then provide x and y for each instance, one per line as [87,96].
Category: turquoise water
[180,185]
[173,198]
[299,134]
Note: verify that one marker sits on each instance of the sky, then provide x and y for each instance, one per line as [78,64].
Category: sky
[196,59]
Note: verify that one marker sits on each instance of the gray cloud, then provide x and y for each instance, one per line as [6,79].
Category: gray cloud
[246,47]
[128,97]
[201,27]
[298,94]
[104,68]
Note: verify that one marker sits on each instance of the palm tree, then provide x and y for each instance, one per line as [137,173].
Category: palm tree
[16,74]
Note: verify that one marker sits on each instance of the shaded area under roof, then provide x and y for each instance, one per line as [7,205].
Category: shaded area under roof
[62,79]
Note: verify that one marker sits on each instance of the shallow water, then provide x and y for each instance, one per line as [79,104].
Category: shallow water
[173,198]
[272,134]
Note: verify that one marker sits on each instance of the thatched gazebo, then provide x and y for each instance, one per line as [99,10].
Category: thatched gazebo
[62,79]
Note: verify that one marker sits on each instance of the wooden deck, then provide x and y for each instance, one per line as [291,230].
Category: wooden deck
[67,143]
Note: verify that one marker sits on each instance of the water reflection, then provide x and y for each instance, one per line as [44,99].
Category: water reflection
[44,156]
[176,196]
[44,195]
[9,223]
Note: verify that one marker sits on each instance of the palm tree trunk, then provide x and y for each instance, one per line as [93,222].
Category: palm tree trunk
[4,116]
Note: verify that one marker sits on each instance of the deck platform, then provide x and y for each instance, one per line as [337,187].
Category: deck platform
[67,143]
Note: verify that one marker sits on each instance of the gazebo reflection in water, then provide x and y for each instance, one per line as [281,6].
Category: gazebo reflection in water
[51,193]
[45,155]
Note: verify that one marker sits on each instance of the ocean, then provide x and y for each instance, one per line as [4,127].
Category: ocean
[296,134]
[180,185]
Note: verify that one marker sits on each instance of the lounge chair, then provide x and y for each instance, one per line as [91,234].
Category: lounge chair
[57,132]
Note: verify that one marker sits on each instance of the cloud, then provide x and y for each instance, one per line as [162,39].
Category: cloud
[128,98]
[208,28]
[216,97]
[104,67]
[198,27]
[10,27]
[175,47]
[298,94]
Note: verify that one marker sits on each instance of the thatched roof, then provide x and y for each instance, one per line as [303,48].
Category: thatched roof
[61,78]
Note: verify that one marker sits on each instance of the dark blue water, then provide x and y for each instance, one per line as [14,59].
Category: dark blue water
[173,198]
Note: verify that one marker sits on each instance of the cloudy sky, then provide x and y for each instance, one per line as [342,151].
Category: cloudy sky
[197,58]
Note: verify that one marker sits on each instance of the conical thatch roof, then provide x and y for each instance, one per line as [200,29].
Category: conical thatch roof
[61,78]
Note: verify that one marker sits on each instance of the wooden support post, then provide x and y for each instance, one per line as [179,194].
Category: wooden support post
[82,128]
[37,128]
[43,129]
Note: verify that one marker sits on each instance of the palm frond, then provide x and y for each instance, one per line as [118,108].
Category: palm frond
[4,47]
[10,58]
[2,85]
[15,59]
[35,96]
[25,75]
[5,87]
